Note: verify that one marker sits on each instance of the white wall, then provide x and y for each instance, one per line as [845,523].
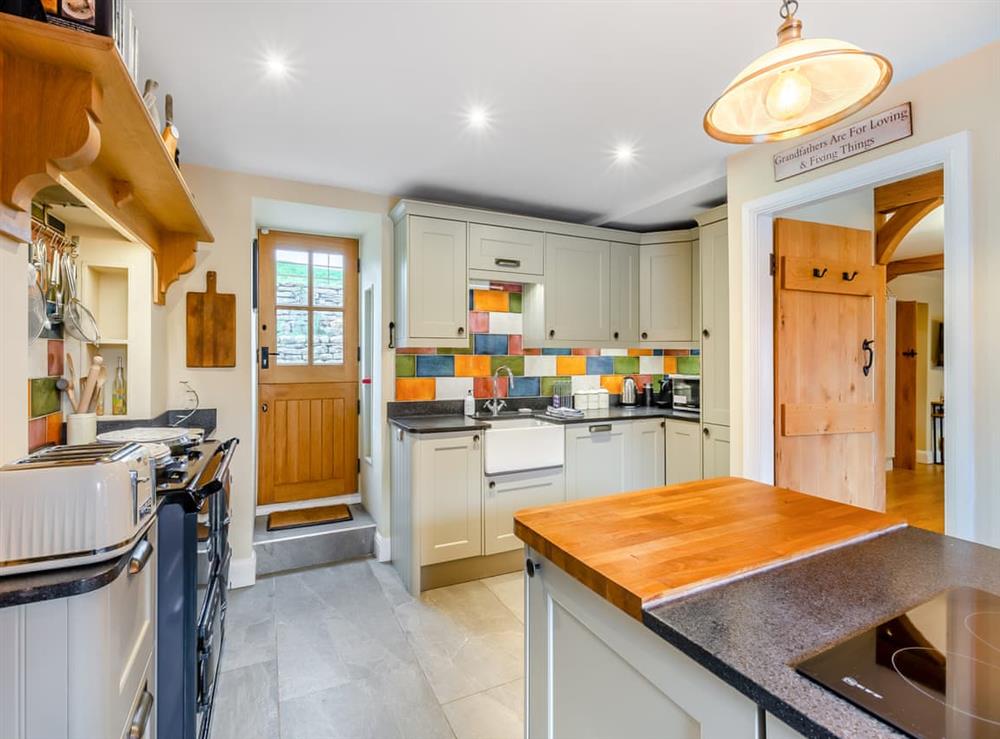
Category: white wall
[854,209]
[14,341]
[958,96]
[226,199]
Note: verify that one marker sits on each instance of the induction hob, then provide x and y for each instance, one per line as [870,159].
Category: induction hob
[931,672]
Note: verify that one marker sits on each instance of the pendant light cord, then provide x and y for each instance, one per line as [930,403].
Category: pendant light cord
[788,8]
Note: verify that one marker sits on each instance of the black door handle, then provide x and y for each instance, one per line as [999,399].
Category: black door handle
[911,353]
[868,347]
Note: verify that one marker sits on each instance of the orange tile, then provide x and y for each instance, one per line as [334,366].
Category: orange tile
[640,352]
[472,365]
[670,365]
[491,300]
[568,365]
[415,388]
[53,428]
[612,383]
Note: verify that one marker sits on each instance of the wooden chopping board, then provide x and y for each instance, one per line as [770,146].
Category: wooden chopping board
[211,327]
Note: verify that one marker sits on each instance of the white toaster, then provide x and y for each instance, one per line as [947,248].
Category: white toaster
[65,506]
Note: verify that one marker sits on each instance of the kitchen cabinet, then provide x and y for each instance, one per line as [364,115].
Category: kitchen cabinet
[715,450]
[82,666]
[645,446]
[624,294]
[683,451]
[665,274]
[432,285]
[513,251]
[505,494]
[597,459]
[577,290]
[448,483]
[778,729]
[714,257]
[593,672]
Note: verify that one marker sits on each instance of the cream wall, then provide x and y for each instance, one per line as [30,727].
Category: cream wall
[963,95]
[14,341]
[226,199]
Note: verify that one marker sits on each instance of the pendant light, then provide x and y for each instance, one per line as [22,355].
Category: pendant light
[798,87]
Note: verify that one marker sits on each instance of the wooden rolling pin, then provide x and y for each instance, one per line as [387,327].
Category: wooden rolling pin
[91,384]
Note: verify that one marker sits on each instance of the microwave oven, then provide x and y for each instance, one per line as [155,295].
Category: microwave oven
[686,391]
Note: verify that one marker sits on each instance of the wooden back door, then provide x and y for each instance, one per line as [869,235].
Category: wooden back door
[308,362]
[829,387]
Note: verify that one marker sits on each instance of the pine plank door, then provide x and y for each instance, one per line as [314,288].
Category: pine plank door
[308,367]
[905,456]
[829,338]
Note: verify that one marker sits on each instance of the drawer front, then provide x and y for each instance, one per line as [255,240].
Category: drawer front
[139,723]
[501,249]
[506,494]
[132,623]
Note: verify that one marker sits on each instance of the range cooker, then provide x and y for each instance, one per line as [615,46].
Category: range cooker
[193,576]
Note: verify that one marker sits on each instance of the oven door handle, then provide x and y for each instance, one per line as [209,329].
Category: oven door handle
[226,449]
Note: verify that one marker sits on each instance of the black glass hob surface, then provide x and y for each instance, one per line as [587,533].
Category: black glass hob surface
[931,672]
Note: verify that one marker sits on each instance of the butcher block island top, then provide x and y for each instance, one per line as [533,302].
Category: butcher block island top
[640,548]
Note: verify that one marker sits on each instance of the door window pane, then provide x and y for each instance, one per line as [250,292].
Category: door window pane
[291,277]
[328,337]
[292,332]
[328,280]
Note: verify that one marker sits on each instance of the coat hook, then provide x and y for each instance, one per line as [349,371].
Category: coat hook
[817,273]
[850,277]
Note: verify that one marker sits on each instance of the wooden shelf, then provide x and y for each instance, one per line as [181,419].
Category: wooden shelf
[75,117]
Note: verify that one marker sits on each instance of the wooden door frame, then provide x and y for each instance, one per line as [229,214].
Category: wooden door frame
[752,320]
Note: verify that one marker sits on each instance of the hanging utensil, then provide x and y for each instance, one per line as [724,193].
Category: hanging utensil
[37,318]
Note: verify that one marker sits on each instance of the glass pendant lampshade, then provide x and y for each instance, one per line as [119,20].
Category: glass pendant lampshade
[801,86]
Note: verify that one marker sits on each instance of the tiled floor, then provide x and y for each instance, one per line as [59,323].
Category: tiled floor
[344,651]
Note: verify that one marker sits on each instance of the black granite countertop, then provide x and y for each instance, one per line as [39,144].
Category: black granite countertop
[748,632]
[442,423]
[33,587]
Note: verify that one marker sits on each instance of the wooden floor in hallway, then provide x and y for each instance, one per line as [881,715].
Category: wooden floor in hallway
[917,496]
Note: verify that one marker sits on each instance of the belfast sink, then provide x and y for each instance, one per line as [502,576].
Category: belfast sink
[517,444]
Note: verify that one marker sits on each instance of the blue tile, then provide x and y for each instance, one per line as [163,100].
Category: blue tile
[435,365]
[695,352]
[490,344]
[525,387]
[600,365]
[657,352]
[472,295]
[558,352]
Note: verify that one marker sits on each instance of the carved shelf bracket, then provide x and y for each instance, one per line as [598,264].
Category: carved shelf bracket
[174,257]
[49,125]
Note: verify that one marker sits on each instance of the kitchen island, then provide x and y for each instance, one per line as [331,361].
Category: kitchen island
[678,612]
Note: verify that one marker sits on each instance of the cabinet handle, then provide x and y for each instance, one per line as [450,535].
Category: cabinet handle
[705,333]
[475,439]
[392,334]
[263,407]
[706,431]
[140,556]
[552,333]
[531,567]
[492,485]
[663,424]
[645,335]
[507,262]
[616,334]
[598,428]
[461,331]
[140,718]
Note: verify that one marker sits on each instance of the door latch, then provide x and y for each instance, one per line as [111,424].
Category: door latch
[868,347]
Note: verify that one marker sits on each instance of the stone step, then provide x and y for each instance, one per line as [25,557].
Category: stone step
[308,546]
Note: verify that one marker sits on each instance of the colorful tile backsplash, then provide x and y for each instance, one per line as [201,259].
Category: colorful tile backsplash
[496,328]
[44,399]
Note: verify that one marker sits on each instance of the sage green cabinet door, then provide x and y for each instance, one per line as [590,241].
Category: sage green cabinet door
[437,300]
[683,451]
[502,249]
[714,248]
[597,459]
[504,495]
[665,292]
[624,294]
[715,445]
[448,491]
[646,445]
[577,289]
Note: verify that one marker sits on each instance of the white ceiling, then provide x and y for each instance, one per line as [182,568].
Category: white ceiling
[378,91]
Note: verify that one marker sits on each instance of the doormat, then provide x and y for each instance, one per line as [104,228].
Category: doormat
[281,520]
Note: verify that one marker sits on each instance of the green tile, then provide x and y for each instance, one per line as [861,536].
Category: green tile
[448,350]
[44,396]
[626,365]
[689,365]
[548,382]
[514,304]
[405,365]
[516,364]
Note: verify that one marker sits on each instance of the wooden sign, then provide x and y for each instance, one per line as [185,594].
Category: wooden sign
[211,327]
[846,142]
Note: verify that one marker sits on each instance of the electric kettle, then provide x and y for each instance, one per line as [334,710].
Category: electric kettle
[628,392]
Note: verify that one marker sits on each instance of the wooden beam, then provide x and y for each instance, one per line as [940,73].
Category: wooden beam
[912,190]
[917,264]
[903,219]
